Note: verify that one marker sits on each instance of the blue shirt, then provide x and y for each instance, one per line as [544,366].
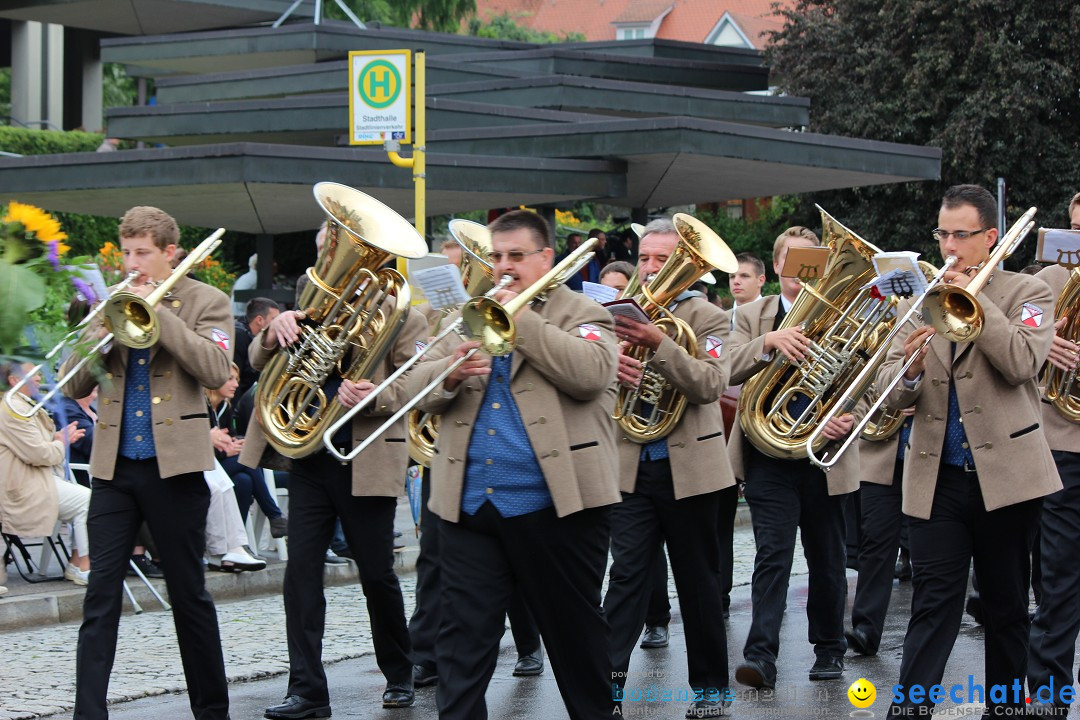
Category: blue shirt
[502,467]
[137,432]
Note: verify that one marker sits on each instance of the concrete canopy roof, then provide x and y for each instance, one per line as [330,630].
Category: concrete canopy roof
[267,188]
[148,17]
[678,160]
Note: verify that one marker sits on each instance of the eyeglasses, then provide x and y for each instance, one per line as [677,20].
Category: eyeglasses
[940,234]
[514,256]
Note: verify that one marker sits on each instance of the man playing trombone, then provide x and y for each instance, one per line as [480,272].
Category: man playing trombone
[977,464]
[151,447]
[526,468]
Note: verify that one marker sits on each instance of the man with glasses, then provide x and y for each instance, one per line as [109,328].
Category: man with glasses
[526,466]
[977,464]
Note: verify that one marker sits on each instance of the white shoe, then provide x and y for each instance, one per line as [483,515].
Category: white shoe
[3,591]
[75,575]
[236,561]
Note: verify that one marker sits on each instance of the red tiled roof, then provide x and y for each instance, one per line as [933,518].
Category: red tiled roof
[689,20]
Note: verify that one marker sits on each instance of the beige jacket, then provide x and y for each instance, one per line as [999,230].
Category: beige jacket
[28,456]
[379,470]
[564,385]
[1061,434]
[995,380]
[193,353]
[747,359]
[696,447]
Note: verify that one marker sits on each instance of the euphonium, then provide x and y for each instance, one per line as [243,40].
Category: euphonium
[477,277]
[653,409]
[1061,389]
[779,407]
[353,313]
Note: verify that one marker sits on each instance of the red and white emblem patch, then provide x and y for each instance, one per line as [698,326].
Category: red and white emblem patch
[420,345]
[714,346]
[1031,315]
[589,332]
[220,338]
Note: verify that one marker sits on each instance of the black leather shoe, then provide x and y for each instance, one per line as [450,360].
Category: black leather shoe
[756,674]
[708,708]
[827,668]
[149,569]
[398,695]
[295,706]
[656,636]
[859,642]
[902,571]
[974,608]
[423,676]
[530,665]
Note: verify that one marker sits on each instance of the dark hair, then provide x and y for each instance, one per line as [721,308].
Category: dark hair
[1073,203]
[751,259]
[574,235]
[977,197]
[143,220]
[258,307]
[1032,269]
[596,232]
[518,219]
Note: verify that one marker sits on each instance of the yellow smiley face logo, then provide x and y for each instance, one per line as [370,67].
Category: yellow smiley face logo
[862,693]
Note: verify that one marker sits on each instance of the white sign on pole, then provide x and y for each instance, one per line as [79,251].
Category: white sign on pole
[380,90]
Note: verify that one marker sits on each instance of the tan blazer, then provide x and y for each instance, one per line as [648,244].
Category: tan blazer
[379,470]
[564,385]
[697,449]
[877,460]
[747,359]
[999,401]
[1060,433]
[193,353]
[28,456]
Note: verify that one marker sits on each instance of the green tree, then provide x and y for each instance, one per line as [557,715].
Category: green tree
[438,15]
[504,27]
[993,83]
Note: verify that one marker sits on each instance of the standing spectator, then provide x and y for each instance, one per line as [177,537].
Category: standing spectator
[573,242]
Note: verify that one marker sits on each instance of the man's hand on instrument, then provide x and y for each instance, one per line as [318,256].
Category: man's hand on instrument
[1062,352]
[351,393]
[478,364]
[505,295]
[629,372]
[284,329]
[639,333]
[959,279]
[789,341]
[839,427]
[915,344]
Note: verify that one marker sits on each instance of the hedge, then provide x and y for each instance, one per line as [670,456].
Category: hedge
[25,141]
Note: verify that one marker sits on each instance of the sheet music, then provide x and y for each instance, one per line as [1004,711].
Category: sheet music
[898,274]
[600,293]
[91,275]
[627,307]
[441,285]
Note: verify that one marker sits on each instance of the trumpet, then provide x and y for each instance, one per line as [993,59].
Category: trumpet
[130,320]
[67,340]
[482,316]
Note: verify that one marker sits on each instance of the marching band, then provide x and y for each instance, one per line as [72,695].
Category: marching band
[559,430]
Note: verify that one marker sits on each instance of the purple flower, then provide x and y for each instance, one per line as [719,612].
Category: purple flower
[85,290]
[54,254]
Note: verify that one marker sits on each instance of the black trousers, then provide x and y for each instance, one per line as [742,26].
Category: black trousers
[424,624]
[558,563]
[175,509]
[960,529]
[785,496]
[882,517]
[1057,620]
[320,491]
[640,524]
[658,612]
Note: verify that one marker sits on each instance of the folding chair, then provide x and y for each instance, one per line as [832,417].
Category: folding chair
[257,520]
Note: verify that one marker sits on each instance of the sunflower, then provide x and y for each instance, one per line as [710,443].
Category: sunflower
[35,221]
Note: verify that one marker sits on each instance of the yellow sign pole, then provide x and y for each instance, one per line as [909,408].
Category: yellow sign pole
[418,162]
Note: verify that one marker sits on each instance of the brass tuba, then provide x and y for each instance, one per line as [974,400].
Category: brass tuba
[348,326]
[653,409]
[1061,389]
[780,406]
[477,276]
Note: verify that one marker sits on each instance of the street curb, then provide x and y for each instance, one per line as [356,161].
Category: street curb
[60,602]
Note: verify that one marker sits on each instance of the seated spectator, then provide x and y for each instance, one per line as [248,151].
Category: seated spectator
[227,446]
[34,491]
[225,534]
[617,274]
[82,413]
